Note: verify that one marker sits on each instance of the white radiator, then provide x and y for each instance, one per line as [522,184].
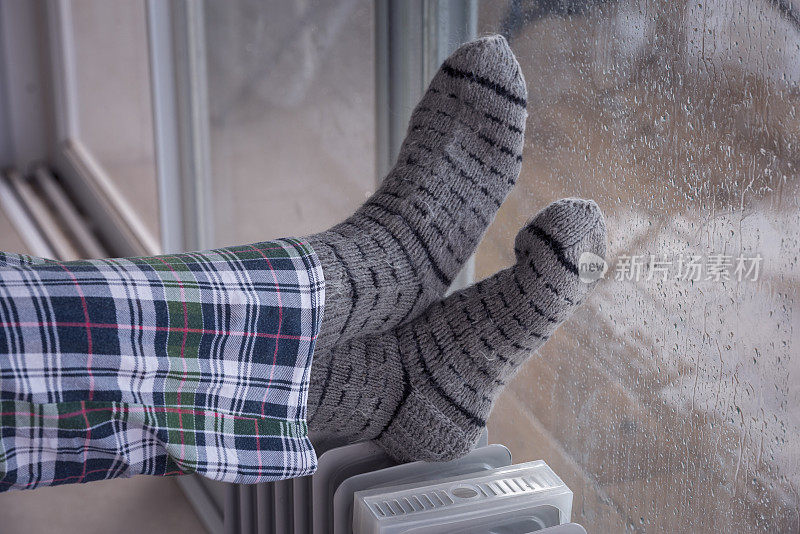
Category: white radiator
[481,493]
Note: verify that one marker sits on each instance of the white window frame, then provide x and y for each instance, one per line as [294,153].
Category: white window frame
[90,185]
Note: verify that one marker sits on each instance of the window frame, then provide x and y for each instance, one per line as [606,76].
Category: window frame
[412,38]
[91,187]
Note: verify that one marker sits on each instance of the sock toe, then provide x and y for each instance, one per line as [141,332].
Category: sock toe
[490,64]
[571,220]
[555,243]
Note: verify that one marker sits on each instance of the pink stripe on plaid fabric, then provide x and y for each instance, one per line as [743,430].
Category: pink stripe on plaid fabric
[132,409]
[87,442]
[280,324]
[88,329]
[145,328]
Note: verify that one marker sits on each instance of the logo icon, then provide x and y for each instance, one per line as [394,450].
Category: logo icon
[591,267]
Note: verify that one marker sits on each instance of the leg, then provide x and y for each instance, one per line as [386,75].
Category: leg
[461,157]
[192,362]
[425,389]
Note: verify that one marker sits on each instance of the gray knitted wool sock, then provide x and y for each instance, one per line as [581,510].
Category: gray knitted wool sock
[461,156]
[425,389]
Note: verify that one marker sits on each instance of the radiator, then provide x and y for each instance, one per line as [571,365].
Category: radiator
[480,493]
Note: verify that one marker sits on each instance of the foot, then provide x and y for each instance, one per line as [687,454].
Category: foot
[462,153]
[425,389]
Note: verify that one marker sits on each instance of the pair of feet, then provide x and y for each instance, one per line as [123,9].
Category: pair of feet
[396,362]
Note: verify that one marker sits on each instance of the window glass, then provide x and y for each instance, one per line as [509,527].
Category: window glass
[115,117]
[670,401]
[292,105]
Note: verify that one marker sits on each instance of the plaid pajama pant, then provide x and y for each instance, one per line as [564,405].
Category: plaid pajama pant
[187,363]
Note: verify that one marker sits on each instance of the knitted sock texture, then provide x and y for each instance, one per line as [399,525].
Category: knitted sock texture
[425,389]
[461,156]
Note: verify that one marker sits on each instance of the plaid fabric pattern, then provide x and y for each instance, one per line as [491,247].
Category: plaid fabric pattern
[186,363]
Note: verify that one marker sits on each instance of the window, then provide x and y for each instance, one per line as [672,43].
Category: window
[665,404]
[291,100]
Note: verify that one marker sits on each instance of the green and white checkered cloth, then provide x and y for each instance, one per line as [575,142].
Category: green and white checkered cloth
[186,363]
